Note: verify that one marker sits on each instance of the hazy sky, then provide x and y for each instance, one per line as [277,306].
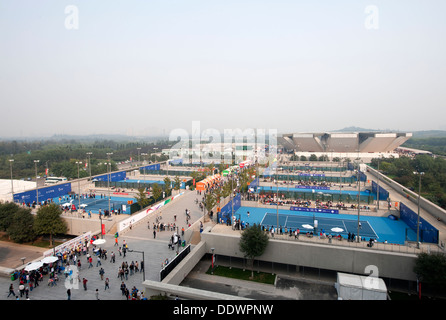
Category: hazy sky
[141,67]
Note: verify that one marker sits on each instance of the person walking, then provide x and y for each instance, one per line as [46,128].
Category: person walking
[84,282]
[11,290]
[21,289]
[98,263]
[107,284]
[101,273]
[123,287]
[124,249]
[69,294]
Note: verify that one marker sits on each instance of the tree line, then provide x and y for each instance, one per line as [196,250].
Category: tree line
[403,170]
[60,157]
[21,226]
[436,145]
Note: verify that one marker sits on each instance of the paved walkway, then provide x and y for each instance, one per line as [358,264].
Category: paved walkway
[140,238]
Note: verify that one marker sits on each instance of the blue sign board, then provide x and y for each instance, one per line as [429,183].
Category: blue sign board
[317,210]
[313,187]
[115,176]
[151,167]
[44,193]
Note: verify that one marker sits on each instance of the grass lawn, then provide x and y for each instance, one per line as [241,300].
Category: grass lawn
[39,242]
[236,273]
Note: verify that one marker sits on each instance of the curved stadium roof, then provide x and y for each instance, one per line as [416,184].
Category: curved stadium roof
[343,142]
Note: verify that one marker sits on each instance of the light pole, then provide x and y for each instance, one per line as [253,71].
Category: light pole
[377,189]
[143,261]
[144,168]
[78,186]
[359,196]
[108,180]
[139,150]
[89,163]
[418,218]
[37,186]
[12,181]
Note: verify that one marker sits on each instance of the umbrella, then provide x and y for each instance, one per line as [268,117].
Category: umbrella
[336,229]
[49,259]
[99,241]
[66,204]
[84,205]
[34,266]
[307,226]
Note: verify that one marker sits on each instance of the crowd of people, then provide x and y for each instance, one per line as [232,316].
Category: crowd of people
[69,265]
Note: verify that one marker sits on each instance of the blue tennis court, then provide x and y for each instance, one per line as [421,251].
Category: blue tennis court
[315,190]
[160,182]
[98,202]
[379,228]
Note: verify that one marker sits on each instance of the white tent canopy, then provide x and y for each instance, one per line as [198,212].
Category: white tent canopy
[354,287]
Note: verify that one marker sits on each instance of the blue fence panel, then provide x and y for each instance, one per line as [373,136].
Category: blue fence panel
[153,167]
[383,193]
[255,183]
[427,232]
[115,176]
[44,193]
[226,212]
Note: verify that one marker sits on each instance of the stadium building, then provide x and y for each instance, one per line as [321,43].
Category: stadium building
[365,145]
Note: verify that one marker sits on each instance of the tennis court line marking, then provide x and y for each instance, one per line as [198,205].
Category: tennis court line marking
[261,222]
[333,221]
[376,235]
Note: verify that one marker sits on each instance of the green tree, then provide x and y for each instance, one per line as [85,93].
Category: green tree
[228,187]
[157,191]
[313,157]
[210,201]
[7,211]
[48,221]
[177,183]
[431,269]
[141,198]
[195,175]
[167,186]
[253,243]
[21,228]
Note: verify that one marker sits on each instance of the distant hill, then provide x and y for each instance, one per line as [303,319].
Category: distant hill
[356,129]
[429,134]
[415,134]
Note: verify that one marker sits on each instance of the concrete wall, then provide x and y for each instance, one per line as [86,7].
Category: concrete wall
[78,226]
[155,288]
[331,257]
[181,271]
[411,196]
